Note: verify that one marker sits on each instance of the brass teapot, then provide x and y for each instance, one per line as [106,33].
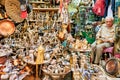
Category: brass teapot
[99,41]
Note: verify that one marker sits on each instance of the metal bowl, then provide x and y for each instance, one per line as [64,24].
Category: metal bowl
[112,66]
[3,59]
[7,27]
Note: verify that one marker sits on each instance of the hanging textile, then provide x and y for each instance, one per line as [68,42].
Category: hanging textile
[99,7]
[109,11]
[61,6]
[107,3]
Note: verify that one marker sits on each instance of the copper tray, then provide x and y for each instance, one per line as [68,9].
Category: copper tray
[7,27]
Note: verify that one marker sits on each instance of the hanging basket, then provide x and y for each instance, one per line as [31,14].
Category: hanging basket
[2,2]
[13,10]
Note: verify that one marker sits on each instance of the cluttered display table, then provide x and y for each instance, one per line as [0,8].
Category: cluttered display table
[56,71]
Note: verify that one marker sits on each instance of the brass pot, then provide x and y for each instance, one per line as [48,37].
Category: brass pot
[99,41]
[61,36]
[64,26]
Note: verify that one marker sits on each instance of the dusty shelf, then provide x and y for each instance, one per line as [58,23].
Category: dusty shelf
[46,9]
[39,2]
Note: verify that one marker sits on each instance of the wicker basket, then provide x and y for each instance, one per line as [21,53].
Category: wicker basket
[13,10]
[2,2]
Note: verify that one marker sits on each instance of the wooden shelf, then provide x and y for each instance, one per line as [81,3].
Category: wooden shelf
[42,7]
[41,21]
[46,9]
[33,20]
[39,2]
[36,21]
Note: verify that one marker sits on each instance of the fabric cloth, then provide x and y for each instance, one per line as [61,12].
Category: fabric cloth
[97,49]
[110,12]
[99,7]
[97,28]
[107,3]
[23,14]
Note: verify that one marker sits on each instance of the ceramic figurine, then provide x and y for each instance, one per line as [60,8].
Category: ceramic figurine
[47,56]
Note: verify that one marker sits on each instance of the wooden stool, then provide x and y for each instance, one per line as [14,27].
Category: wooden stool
[108,50]
[117,55]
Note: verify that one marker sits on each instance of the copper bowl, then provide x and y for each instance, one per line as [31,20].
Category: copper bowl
[112,66]
[7,27]
[3,59]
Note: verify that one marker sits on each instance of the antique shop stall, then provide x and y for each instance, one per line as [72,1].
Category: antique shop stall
[51,40]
